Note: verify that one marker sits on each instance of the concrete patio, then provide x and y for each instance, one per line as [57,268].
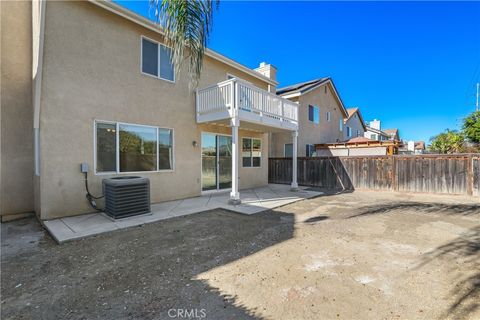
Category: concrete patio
[253,201]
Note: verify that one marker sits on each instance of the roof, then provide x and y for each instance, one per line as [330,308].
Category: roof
[307,86]
[351,112]
[391,131]
[419,145]
[302,86]
[144,22]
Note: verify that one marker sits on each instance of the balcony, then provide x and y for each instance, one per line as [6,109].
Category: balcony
[238,99]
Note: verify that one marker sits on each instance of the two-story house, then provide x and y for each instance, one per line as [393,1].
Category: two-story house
[321,117]
[374,131]
[91,82]
[354,124]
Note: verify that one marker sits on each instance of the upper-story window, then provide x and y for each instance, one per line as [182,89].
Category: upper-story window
[349,131]
[328,116]
[373,136]
[156,60]
[314,114]
[340,124]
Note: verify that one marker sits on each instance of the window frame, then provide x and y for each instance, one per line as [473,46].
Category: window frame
[340,124]
[328,116]
[251,152]
[314,108]
[285,149]
[158,59]
[117,147]
[307,149]
[349,132]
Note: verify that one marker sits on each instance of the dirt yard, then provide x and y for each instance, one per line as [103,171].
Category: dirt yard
[361,255]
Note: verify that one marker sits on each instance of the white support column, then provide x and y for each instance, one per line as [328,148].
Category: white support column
[294,186]
[235,195]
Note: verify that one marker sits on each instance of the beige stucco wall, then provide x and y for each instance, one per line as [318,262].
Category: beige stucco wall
[92,71]
[309,132]
[356,125]
[16,108]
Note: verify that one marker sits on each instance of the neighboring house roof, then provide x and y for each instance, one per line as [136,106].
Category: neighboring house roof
[368,128]
[419,145]
[138,19]
[351,112]
[304,87]
[392,132]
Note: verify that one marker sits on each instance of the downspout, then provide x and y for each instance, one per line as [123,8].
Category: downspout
[38,33]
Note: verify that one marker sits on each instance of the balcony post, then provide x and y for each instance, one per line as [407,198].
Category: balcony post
[294,185]
[234,194]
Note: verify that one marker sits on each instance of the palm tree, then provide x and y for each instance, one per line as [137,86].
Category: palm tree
[187,25]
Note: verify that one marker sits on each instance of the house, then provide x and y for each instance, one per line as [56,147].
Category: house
[359,146]
[320,117]
[375,132]
[91,82]
[354,126]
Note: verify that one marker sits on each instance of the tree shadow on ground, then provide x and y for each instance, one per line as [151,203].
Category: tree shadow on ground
[465,250]
[420,207]
[139,273]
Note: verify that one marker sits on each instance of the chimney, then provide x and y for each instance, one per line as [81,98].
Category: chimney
[268,71]
[375,124]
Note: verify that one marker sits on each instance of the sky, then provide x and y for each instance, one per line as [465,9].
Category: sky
[413,65]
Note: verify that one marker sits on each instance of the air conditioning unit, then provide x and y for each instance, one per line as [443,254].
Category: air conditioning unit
[126,196]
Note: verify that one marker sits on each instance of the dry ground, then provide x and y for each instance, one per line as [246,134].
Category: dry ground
[361,255]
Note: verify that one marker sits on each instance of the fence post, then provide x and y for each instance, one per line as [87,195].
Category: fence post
[394,173]
[470,175]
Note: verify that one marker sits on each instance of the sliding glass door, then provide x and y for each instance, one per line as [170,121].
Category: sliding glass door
[216,162]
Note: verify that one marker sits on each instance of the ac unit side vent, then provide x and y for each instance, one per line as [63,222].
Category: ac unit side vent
[126,196]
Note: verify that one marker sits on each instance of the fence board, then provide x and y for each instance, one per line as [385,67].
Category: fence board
[453,174]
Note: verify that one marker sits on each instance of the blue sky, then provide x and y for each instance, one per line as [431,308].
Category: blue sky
[413,65]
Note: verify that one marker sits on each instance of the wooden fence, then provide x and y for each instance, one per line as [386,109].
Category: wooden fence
[452,174]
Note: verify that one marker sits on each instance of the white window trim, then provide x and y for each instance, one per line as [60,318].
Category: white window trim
[117,148]
[340,124]
[158,58]
[319,117]
[251,151]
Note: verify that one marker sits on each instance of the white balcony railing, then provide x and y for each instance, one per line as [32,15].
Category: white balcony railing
[237,98]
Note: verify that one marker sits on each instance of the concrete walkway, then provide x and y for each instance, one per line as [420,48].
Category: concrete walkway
[253,201]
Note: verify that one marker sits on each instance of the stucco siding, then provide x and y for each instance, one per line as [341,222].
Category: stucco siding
[356,125]
[16,108]
[92,71]
[308,131]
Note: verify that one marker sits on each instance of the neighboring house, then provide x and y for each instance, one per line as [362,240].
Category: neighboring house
[105,93]
[354,126]
[359,146]
[393,134]
[321,115]
[374,131]
[412,147]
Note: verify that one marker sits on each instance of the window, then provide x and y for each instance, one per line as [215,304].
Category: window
[373,136]
[106,147]
[140,148]
[314,114]
[156,60]
[251,152]
[328,116]
[340,124]
[349,131]
[288,150]
[310,150]
[358,133]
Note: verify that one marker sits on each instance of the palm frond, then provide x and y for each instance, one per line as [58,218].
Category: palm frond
[187,25]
